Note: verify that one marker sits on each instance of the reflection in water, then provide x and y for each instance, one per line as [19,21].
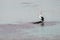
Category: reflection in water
[42,24]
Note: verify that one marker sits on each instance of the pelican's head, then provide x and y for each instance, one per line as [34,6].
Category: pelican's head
[40,16]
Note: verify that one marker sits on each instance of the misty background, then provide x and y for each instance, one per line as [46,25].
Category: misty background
[18,11]
[13,13]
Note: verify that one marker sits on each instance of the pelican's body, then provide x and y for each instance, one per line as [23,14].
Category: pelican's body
[42,20]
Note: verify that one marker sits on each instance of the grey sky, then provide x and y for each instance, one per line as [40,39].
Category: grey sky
[12,11]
